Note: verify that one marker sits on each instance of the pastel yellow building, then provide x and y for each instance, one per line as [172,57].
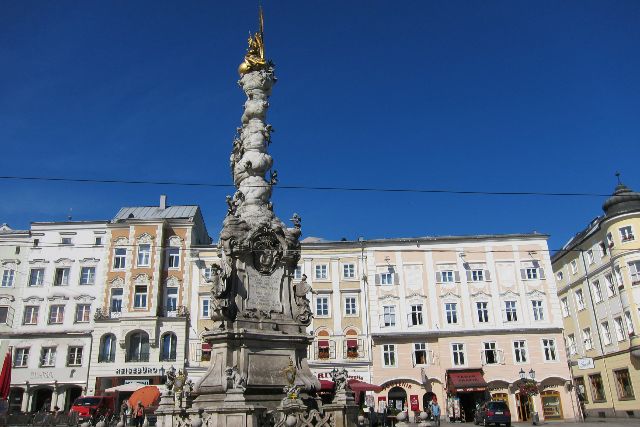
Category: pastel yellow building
[598,275]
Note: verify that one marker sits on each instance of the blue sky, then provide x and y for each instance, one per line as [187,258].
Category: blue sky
[463,95]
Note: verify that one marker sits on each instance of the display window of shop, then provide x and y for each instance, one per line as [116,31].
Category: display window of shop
[500,397]
[597,388]
[623,384]
[551,404]
[581,388]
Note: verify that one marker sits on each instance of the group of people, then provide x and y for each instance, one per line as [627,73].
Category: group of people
[432,410]
[137,414]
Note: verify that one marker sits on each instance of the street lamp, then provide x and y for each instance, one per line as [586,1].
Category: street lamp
[532,374]
[522,373]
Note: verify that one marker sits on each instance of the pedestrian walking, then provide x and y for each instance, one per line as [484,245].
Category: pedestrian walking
[435,411]
[139,414]
[124,408]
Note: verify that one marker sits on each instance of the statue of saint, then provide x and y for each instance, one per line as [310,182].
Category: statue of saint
[254,58]
[302,302]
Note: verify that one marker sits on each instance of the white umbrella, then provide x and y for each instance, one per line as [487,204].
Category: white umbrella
[125,387]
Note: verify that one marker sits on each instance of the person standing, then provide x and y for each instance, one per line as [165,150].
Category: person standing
[139,414]
[124,408]
[435,411]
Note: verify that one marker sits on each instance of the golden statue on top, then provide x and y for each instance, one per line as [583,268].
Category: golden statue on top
[254,58]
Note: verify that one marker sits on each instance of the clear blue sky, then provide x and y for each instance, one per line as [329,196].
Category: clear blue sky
[464,95]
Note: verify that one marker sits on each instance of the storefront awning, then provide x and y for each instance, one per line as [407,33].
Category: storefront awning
[358,386]
[323,343]
[352,343]
[468,380]
[326,385]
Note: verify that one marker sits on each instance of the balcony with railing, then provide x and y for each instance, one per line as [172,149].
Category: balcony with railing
[136,357]
[173,310]
[106,313]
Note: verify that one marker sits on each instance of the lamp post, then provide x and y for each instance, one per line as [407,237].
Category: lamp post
[522,374]
[532,374]
[162,371]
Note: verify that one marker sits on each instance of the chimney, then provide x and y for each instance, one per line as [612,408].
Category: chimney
[163,201]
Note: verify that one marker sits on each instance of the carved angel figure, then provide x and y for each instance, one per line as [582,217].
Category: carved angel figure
[235,380]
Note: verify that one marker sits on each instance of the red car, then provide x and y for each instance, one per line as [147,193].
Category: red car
[93,407]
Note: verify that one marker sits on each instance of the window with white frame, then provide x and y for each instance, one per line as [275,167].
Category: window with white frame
[119,258]
[564,304]
[56,314]
[88,276]
[144,255]
[549,349]
[618,276]
[83,313]
[21,357]
[482,310]
[74,356]
[476,275]
[538,310]
[173,255]
[140,296]
[559,276]
[571,344]
[172,299]
[611,285]
[4,315]
[66,241]
[389,355]
[574,266]
[205,306]
[597,291]
[617,324]
[510,311]
[626,234]
[36,277]
[207,273]
[322,306]
[610,240]
[8,276]
[445,276]
[350,305]
[297,272]
[531,273]
[116,300]
[634,270]
[629,322]
[415,317]
[348,271]
[30,316]
[520,351]
[606,333]
[321,272]
[420,353]
[98,241]
[587,339]
[48,357]
[62,276]
[389,315]
[490,353]
[579,300]
[603,249]
[451,312]
[386,277]
[458,354]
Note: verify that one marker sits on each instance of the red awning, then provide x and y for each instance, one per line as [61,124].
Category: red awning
[358,386]
[352,343]
[323,343]
[468,380]
[326,385]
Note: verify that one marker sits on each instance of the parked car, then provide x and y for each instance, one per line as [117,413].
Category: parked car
[93,407]
[493,412]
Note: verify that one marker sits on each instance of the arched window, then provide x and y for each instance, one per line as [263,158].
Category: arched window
[107,349]
[138,348]
[169,345]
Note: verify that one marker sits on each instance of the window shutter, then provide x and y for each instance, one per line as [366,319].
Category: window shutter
[523,274]
[438,276]
[541,273]
[332,349]
[487,275]
[413,358]
[483,357]
[468,275]
[344,349]
[456,276]
[377,279]
[396,279]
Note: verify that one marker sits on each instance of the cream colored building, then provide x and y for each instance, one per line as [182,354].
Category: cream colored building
[598,276]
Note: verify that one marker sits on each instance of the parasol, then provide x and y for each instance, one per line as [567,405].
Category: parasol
[149,395]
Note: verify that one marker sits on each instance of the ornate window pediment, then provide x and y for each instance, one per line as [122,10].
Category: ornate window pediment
[33,299]
[415,295]
[6,299]
[145,238]
[64,261]
[58,297]
[450,295]
[175,241]
[172,281]
[10,263]
[84,298]
[118,282]
[121,241]
[388,297]
[536,293]
[38,261]
[89,261]
[480,295]
[142,279]
[509,293]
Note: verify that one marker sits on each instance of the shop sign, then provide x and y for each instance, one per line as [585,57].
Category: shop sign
[399,384]
[145,382]
[586,363]
[147,370]
[327,375]
[413,399]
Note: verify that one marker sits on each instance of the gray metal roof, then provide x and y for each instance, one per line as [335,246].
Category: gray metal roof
[154,212]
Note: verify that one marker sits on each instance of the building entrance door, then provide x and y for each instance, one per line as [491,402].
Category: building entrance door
[524,407]
[72,394]
[42,400]
[397,398]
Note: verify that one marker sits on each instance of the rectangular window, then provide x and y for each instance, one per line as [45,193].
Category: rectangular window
[324,349]
[62,276]
[172,299]
[611,285]
[579,300]
[581,388]
[8,276]
[297,273]
[4,315]
[445,276]
[617,324]
[21,357]
[587,339]
[482,309]
[610,240]
[36,277]
[174,257]
[98,241]
[144,255]
[590,257]
[30,315]
[510,311]
[140,297]
[56,314]
[564,304]
[386,278]
[74,356]
[476,275]
[66,241]
[349,271]
[574,267]
[88,276]
[389,354]
[549,348]
[597,388]
[520,351]
[205,307]
[457,352]
[538,311]
[597,291]
[490,353]
[83,313]
[419,353]
[415,318]
[531,273]
[350,306]
[626,234]
[321,272]
[451,312]
[119,258]
[571,344]
[623,384]
[116,300]
[606,333]
[629,322]
[634,270]
[389,315]
[322,306]
[603,249]
[48,357]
